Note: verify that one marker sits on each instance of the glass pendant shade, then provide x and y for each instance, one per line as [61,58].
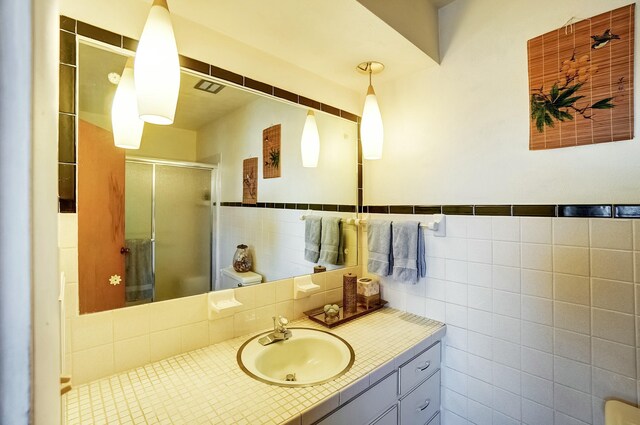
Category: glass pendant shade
[157,68]
[371,131]
[125,122]
[310,142]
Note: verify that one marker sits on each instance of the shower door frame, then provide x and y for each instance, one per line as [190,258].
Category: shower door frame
[214,209]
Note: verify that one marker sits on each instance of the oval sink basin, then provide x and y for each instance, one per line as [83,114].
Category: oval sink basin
[309,357]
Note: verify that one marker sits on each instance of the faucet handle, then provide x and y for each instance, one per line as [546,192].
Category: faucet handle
[280,323]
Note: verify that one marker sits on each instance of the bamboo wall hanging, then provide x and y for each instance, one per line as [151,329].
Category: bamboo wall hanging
[581,82]
[271,151]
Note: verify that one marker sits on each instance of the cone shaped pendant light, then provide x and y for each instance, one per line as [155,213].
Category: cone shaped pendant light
[125,121]
[157,68]
[310,142]
[371,130]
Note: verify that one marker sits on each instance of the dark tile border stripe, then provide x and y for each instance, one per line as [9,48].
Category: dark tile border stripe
[294,206]
[565,210]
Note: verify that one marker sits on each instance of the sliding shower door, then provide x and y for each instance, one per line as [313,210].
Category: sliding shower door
[169,230]
[183,231]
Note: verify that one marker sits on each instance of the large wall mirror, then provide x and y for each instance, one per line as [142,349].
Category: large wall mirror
[164,221]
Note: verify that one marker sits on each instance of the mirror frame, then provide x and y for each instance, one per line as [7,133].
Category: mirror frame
[71,31]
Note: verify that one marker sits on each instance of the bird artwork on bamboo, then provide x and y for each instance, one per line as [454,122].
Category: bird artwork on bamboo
[602,40]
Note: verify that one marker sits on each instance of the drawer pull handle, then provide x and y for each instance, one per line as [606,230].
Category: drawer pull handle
[426,404]
[423,368]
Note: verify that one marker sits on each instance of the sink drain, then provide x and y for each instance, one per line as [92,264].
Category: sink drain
[290,377]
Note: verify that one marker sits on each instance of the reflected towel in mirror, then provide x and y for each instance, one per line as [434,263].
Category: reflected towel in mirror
[138,270]
[312,227]
[379,244]
[331,250]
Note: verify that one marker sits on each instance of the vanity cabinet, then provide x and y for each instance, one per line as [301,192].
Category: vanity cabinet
[410,395]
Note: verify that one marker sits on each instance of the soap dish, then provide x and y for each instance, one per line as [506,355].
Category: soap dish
[317,315]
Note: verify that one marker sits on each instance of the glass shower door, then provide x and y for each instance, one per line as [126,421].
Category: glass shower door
[183,231]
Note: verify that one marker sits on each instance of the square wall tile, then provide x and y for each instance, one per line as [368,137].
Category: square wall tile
[194,336]
[68,262]
[571,317]
[480,298]
[505,229]
[572,345]
[571,231]
[571,288]
[537,283]
[506,303]
[131,353]
[221,329]
[265,293]
[479,251]
[92,364]
[608,385]
[130,322]
[537,389]
[536,230]
[610,264]
[611,233]
[613,295]
[574,403]
[537,363]
[537,257]
[537,310]
[92,330]
[479,274]
[571,260]
[506,278]
[537,336]
[614,357]
[613,326]
[284,289]
[506,253]
[67,230]
[479,227]
[164,344]
[572,374]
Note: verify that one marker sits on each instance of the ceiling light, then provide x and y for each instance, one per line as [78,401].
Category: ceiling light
[157,68]
[371,130]
[310,141]
[127,125]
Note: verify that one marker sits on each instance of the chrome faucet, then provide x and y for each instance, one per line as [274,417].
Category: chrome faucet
[280,331]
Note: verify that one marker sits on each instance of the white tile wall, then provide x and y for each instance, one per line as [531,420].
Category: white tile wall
[101,344]
[549,307]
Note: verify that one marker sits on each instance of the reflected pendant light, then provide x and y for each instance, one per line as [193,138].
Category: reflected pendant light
[371,131]
[127,125]
[310,142]
[157,68]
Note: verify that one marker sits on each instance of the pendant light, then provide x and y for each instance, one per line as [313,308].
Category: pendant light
[371,131]
[310,142]
[157,68]
[127,125]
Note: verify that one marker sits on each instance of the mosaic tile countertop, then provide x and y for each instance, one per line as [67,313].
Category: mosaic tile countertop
[206,386]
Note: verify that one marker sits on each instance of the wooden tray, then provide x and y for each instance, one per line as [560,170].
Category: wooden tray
[317,314]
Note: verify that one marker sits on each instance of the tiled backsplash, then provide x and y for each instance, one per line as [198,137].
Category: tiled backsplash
[541,313]
[101,344]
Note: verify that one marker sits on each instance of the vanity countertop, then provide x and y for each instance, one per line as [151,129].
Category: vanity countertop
[206,386]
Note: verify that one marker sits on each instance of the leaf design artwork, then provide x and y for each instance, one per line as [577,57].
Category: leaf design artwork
[559,104]
[274,158]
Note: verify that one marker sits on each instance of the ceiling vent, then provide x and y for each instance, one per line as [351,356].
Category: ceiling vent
[209,86]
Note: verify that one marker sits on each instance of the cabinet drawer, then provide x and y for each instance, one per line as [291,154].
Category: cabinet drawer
[389,418]
[367,406]
[422,403]
[418,369]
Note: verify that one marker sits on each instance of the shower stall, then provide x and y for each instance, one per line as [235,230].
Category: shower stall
[170,229]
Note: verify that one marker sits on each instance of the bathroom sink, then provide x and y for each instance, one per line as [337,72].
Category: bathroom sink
[309,357]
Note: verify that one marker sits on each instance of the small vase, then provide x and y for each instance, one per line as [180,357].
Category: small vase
[242,259]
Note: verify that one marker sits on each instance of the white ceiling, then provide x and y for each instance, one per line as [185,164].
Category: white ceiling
[195,107]
[326,37]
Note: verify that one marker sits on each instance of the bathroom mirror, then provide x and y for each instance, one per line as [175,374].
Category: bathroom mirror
[175,208]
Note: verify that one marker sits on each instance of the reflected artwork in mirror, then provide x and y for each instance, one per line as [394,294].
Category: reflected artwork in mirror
[165,220]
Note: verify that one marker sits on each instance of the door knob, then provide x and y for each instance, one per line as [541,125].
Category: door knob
[124,250]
